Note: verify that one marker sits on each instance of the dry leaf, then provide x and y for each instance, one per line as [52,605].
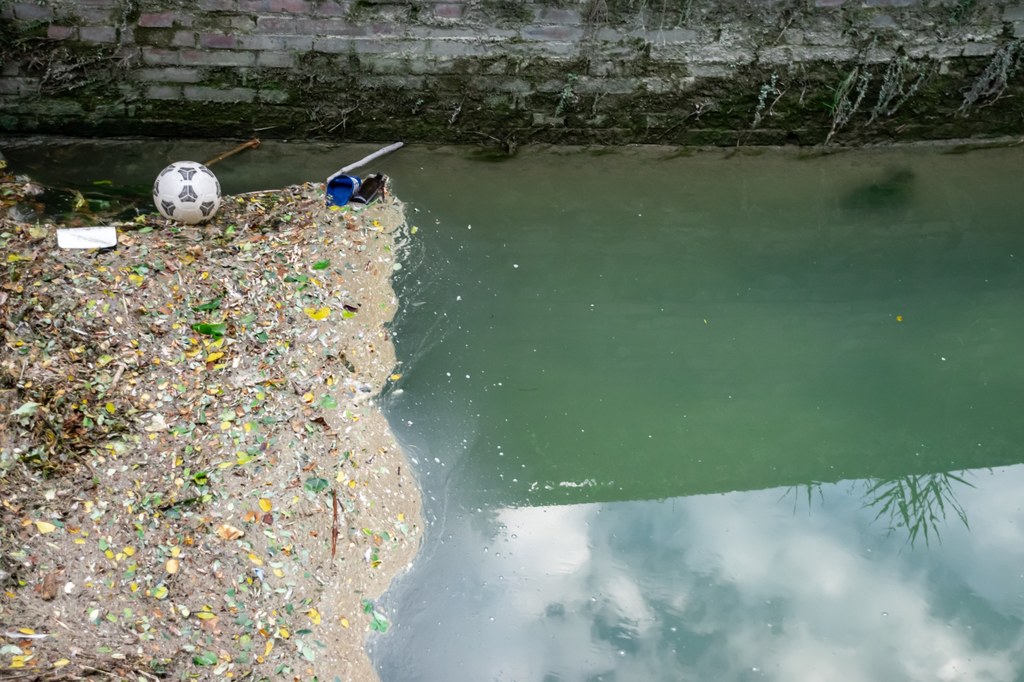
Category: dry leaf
[48,590]
[226,531]
[45,527]
[265,504]
[172,566]
[317,313]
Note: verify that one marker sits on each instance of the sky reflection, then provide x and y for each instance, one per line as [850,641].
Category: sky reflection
[727,587]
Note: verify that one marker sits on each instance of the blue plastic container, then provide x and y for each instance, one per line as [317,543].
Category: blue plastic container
[340,189]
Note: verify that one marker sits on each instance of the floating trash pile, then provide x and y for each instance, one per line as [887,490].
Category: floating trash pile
[195,478]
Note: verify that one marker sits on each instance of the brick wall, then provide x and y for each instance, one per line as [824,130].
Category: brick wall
[508,72]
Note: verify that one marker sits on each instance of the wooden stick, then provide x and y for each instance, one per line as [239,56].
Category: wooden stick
[367,159]
[254,142]
[334,524]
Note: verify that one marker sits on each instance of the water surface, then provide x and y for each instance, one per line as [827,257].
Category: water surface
[720,416]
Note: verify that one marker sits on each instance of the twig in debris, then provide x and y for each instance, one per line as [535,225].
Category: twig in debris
[253,143]
[121,367]
[334,524]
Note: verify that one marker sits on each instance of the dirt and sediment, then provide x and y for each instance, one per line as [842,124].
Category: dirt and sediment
[196,480]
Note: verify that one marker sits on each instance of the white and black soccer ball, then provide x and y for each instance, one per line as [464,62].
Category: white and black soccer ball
[187,192]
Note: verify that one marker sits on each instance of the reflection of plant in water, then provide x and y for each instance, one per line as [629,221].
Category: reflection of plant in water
[804,490]
[917,503]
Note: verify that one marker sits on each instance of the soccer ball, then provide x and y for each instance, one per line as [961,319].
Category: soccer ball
[187,191]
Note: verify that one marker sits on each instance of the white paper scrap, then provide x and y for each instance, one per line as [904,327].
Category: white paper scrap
[86,237]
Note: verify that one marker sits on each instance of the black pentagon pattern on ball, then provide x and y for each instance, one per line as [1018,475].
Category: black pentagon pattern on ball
[168,206]
[188,173]
[188,194]
[207,207]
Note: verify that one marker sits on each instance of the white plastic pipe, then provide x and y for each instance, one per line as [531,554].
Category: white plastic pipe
[366,159]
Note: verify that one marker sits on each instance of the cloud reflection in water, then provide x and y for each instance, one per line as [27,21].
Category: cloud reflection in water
[726,587]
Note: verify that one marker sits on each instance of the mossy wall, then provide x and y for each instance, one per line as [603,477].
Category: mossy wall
[509,72]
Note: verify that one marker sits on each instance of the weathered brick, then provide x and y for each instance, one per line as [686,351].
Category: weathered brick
[979,49]
[311,27]
[27,11]
[276,60]
[330,9]
[156,19]
[171,74]
[183,39]
[218,41]
[241,23]
[552,33]
[216,58]
[285,26]
[883,21]
[264,43]
[272,96]
[443,33]
[201,93]
[95,15]
[333,45]
[97,34]
[556,15]
[18,86]
[218,5]
[157,56]
[449,10]
[378,46]
[449,49]
[674,35]
[57,32]
[163,92]
[291,6]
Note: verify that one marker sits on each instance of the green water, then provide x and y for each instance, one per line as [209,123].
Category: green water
[722,416]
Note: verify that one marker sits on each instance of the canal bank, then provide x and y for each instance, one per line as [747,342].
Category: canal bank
[197,480]
[507,74]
